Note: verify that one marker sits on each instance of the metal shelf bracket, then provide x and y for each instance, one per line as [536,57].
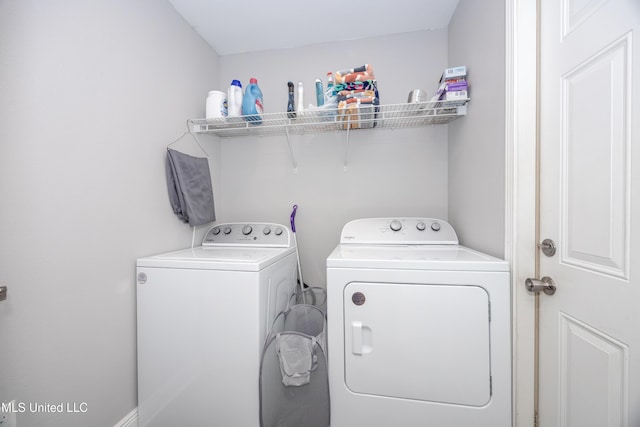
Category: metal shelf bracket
[294,163]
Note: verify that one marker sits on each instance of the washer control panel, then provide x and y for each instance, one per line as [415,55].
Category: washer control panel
[248,234]
[399,231]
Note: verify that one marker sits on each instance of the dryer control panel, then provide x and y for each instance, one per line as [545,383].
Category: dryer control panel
[399,231]
[259,234]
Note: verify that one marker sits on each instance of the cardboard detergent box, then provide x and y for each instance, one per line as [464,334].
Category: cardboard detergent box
[456,95]
[456,85]
[454,73]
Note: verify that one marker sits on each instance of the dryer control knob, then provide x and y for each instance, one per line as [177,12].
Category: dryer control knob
[216,231]
[435,226]
[279,231]
[227,230]
[267,231]
[246,230]
[395,225]
[421,226]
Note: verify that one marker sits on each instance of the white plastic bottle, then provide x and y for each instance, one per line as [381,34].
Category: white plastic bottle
[234,100]
[300,102]
[216,106]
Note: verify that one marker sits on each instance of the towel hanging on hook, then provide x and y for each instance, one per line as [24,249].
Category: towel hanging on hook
[189,186]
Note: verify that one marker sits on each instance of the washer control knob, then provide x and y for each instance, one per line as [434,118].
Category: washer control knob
[216,231]
[246,230]
[227,230]
[396,225]
[435,226]
[267,231]
[421,226]
[278,231]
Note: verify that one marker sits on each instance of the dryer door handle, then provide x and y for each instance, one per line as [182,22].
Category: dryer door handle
[356,338]
[360,338]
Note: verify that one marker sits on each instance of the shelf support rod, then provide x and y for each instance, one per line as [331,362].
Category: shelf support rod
[346,148]
[293,157]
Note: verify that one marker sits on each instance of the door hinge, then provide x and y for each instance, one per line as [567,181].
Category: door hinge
[535,419]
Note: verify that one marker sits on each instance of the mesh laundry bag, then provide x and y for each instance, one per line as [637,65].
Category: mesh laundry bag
[315,296]
[294,385]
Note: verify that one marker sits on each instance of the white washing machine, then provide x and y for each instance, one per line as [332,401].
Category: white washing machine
[418,328]
[203,315]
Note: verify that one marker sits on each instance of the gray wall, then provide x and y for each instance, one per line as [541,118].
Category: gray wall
[90,95]
[399,172]
[477,142]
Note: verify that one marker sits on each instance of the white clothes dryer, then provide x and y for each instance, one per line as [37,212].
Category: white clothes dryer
[203,315]
[418,328]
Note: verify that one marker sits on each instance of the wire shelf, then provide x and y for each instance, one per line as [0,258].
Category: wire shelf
[391,116]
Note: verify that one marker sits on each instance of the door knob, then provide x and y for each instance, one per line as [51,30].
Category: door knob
[545,285]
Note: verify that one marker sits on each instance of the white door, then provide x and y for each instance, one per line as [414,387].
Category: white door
[590,207]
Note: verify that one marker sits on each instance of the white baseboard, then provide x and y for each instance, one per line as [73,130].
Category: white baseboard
[129,420]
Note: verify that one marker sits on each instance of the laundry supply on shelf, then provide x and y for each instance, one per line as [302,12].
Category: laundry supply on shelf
[300,103]
[330,92]
[252,103]
[417,96]
[291,103]
[453,85]
[358,97]
[456,85]
[234,99]
[319,93]
[326,101]
[216,105]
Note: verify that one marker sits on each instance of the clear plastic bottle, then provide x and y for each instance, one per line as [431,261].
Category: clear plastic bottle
[252,104]
[234,100]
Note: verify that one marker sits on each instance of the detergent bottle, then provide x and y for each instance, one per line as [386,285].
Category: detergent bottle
[252,103]
[234,97]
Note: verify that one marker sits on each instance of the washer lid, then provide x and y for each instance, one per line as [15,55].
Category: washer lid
[414,257]
[218,258]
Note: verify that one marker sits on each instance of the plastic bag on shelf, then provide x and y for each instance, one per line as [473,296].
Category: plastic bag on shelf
[326,112]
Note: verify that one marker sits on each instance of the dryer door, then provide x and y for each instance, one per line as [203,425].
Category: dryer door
[419,342]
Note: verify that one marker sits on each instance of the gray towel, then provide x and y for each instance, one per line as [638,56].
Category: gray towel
[190,191]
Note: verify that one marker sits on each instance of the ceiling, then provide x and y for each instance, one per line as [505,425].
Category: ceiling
[256,25]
